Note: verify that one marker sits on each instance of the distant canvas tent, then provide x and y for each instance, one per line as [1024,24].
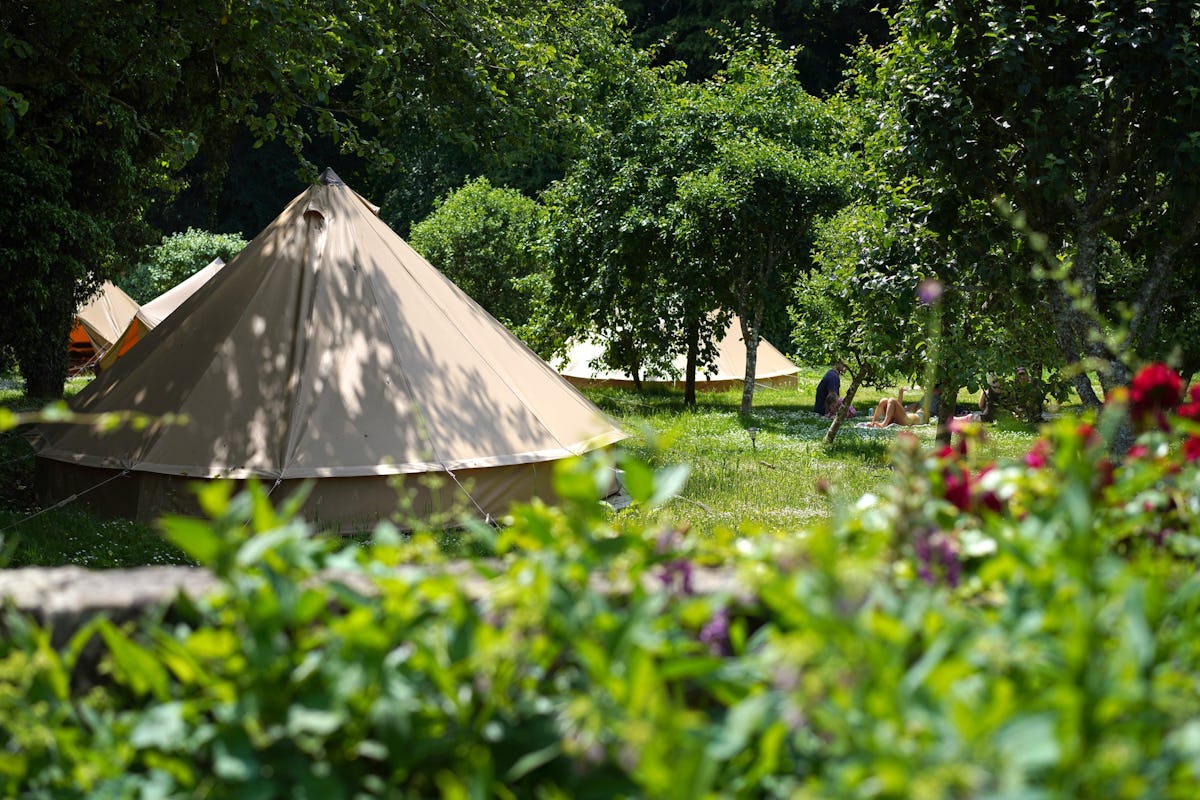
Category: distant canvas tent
[328,349]
[98,324]
[728,372]
[156,310]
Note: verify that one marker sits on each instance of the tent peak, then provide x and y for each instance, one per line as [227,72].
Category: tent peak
[330,178]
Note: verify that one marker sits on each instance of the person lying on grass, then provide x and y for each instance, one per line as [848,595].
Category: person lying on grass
[892,411]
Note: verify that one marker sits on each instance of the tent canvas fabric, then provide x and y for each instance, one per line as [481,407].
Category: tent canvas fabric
[328,349]
[772,367]
[99,323]
[156,310]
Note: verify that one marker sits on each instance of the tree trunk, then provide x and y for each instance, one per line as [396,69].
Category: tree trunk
[635,372]
[1069,344]
[840,417]
[42,353]
[693,354]
[1147,313]
[1143,327]
[751,333]
[947,403]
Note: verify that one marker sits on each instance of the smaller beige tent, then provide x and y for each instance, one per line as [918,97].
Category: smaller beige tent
[155,311]
[728,372]
[98,324]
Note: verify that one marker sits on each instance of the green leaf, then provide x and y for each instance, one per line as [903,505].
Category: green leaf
[161,728]
[741,723]
[301,720]
[638,479]
[138,666]
[234,759]
[531,761]
[669,482]
[1030,742]
[195,537]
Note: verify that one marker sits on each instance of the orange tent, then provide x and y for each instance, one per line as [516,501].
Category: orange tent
[155,311]
[98,324]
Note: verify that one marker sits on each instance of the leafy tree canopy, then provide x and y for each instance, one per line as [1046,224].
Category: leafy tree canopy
[697,202]
[1081,118]
[823,32]
[98,111]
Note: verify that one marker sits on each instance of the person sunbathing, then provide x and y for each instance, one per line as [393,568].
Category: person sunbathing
[892,411]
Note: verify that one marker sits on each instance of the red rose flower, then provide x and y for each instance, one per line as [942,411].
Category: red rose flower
[1191,448]
[1191,409]
[1155,390]
[988,499]
[958,488]
[1036,457]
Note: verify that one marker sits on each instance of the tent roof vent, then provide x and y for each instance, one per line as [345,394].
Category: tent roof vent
[330,178]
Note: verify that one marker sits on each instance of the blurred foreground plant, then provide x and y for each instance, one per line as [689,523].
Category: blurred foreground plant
[974,630]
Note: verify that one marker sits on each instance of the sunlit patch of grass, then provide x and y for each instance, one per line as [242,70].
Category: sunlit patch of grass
[786,477]
[781,482]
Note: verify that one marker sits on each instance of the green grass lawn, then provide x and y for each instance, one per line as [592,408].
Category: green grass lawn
[734,484]
[771,483]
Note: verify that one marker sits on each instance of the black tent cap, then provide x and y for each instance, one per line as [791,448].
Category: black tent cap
[330,178]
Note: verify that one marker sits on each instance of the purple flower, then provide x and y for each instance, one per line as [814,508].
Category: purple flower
[949,557]
[715,633]
[924,555]
[930,291]
[937,554]
[677,573]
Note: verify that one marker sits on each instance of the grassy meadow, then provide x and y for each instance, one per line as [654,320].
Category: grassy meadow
[734,484]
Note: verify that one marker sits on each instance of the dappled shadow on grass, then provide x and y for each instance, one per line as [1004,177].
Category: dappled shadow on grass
[873,451]
[667,400]
[68,536]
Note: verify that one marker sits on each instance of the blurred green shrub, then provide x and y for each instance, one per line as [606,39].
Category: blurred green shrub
[1023,630]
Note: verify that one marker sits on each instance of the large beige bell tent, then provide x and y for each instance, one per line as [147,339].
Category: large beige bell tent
[98,324]
[728,372]
[327,349]
[155,311]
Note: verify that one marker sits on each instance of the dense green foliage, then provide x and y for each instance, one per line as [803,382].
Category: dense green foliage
[102,108]
[1025,628]
[178,257]
[700,203]
[1073,122]
[825,31]
[484,239]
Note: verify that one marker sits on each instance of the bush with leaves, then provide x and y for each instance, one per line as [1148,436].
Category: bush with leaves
[974,630]
[179,257]
[483,238]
